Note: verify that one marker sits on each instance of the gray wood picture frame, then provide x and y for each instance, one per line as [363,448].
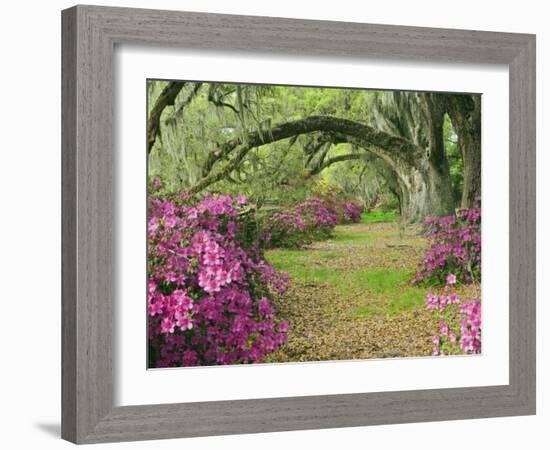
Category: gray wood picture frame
[90,34]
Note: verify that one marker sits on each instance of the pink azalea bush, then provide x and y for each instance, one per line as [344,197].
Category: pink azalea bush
[312,220]
[318,213]
[455,246]
[351,212]
[300,224]
[286,228]
[348,211]
[209,295]
[459,322]
[470,327]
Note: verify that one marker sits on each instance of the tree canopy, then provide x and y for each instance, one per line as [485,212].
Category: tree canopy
[419,152]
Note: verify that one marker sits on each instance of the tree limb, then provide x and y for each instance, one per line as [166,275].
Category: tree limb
[166,98]
[327,124]
[391,148]
[217,101]
[336,159]
[186,101]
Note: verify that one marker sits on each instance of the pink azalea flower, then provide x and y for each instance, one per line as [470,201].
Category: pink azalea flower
[184,322]
[283,327]
[264,308]
[170,221]
[155,308]
[451,279]
[153,225]
[171,277]
[167,326]
[210,259]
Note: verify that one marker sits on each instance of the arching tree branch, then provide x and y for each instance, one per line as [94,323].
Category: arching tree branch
[316,143]
[336,159]
[402,148]
[166,98]
[391,148]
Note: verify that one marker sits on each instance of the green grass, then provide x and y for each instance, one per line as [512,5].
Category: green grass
[348,236]
[388,293]
[409,298]
[375,281]
[382,290]
[378,216]
[380,281]
[353,237]
[288,259]
[368,292]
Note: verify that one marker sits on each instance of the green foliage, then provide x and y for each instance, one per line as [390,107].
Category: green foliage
[205,116]
[249,228]
[272,174]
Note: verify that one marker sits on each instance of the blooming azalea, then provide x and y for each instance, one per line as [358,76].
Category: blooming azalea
[455,248]
[167,326]
[464,337]
[209,295]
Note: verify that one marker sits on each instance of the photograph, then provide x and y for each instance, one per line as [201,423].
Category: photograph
[299,224]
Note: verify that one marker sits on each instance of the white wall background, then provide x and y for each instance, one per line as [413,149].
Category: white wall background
[30,222]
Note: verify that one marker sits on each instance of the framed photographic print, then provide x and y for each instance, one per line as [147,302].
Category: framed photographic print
[279,224]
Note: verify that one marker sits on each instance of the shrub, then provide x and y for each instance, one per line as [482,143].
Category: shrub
[306,222]
[286,228]
[301,224]
[209,294]
[318,214]
[455,247]
[351,212]
[459,322]
[347,211]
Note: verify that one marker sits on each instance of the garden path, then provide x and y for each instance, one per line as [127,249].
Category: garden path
[351,296]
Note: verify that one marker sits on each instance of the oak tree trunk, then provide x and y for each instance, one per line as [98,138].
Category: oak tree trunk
[465,115]
[418,117]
